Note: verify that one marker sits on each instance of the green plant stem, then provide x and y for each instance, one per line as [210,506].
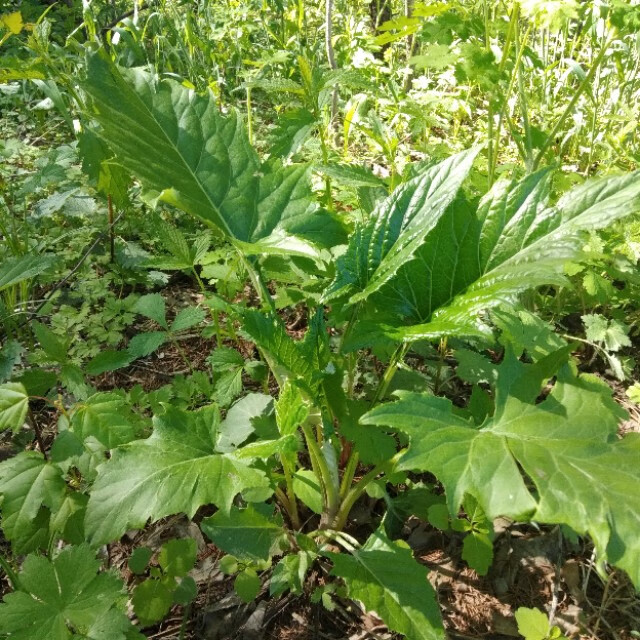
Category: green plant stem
[383,385]
[489,106]
[249,116]
[38,432]
[330,490]
[358,489]
[257,281]
[213,312]
[390,371]
[349,473]
[185,619]
[112,237]
[349,327]
[282,496]
[11,574]
[503,111]
[568,110]
[180,350]
[293,504]
[524,107]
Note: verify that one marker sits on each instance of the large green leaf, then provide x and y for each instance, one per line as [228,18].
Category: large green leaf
[63,599]
[385,577]
[176,470]
[567,445]
[182,149]
[473,260]
[31,488]
[397,228]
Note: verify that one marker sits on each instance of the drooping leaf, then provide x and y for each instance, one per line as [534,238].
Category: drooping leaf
[567,445]
[386,578]
[9,357]
[611,333]
[533,624]
[176,470]
[291,130]
[307,488]
[238,424]
[515,241]
[19,269]
[186,592]
[31,489]
[265,449]
[144,344]
[105,174]
[108,360]
[61,598]
[140,559]
[270,334]
[397,228]
[351,175]
[477,552]
[291,409]
[14,404]
[189,155]
[289,574]
[247,585]
[55,348]
[248,534]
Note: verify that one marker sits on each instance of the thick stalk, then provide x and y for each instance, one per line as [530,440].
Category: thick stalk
[357,490]
[411,43]
[503,111]
[330,490]
[524,107]
[383,385]
[293,504]
[213,312]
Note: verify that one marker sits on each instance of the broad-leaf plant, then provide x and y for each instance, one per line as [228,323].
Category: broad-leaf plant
[280,471]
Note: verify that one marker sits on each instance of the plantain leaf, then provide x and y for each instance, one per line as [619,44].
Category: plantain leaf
[384,575]
[176,470]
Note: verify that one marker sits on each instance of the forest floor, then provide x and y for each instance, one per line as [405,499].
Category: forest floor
[533,566]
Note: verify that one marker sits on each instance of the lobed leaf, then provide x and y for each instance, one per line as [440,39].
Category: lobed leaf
[176,470]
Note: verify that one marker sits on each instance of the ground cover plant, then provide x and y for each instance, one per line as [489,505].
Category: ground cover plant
[319,321]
